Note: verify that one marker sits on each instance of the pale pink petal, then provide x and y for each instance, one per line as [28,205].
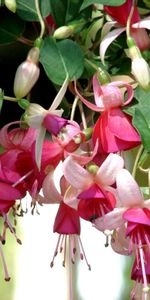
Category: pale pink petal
[128,87]
[109,169]
[145,23]
[147,204]
[119,241]
[50,191]
[70,197]
[87,103]
[98,93]
[60,95]
[128,190]
[76,175]
[38,145]
[108,39]
[107,27]
[110,221]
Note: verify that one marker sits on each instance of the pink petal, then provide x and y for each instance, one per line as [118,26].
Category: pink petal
[119,241]
[50,191]
[108,39]
[147,204]
[110,221]
[87,103]
[128,190]
[109,169]
[7,192]
[76,175]
[128,87]
[137,216]
[120,125]
[145,23]
[67,220]
[98,93]
[54,123]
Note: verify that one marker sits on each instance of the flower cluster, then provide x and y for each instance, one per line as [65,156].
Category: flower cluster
[88,150]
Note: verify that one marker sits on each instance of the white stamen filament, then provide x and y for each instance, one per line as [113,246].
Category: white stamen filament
[6,274]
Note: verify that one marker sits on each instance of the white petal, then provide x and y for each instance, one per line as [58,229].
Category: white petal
[107,27]
[108,171]
[60,95]
[147,203]
[128,190]
[76,175]
[145,23]
[38,145]
[108,39]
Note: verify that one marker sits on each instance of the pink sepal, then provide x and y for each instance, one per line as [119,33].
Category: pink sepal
[137,216]
[50,191]
[110,221]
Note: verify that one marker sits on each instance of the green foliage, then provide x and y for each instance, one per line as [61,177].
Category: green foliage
[11,28]
[86,3]
[27,11]
[142,126]
[60,59]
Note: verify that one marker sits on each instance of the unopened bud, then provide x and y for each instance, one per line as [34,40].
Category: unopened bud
[103,76]
[27,74]
[11,5]
[63,32]
[92,168]
[139,68]
[88,133]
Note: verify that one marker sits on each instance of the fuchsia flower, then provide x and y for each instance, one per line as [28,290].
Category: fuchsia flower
[135,212]
[120,14]
[37,117]
[90,191]
[113,129]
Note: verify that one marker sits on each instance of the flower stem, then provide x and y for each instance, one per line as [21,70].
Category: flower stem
[75,102]
[13,99]
[82,115]
[40,19]
[129,18]
[136,160]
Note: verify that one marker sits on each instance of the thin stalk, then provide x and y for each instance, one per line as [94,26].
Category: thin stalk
[82,115]
[129,18]
[40,19]
[136,160]
[75,102]
[13,99]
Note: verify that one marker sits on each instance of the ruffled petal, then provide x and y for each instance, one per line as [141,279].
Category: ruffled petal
[128,190]
[108,39]
[76,175]
[108,171]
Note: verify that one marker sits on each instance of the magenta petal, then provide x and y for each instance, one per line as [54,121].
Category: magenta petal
[67,220]
[93,192]
[54,123]
[138,216]
[7,192]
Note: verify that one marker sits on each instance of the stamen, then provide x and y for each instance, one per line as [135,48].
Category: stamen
[84,255]
[12,230]
[61,244]
[22,178]
[6,274]
[65,248]
[146,288]
[55,252]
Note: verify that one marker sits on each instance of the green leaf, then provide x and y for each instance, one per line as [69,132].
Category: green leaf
[64,11]
[141,125]
[11,28]
[86,3]
[60,59]
[27,11]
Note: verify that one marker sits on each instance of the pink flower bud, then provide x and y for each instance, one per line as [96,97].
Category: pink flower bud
[27,74]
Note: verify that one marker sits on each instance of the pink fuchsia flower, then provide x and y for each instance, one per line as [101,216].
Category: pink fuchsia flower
[120,14]
[90,191]
[35,115]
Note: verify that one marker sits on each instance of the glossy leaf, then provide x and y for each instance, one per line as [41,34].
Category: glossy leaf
[86,3]
[64,11]
[27,11]
[141,125]
[61,59]
[11,28]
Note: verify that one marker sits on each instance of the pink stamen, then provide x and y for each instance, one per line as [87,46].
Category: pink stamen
[84,255]
[65,248]
[55,252]
[22,178]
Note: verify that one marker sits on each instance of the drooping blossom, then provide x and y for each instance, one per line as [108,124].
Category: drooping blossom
[113,129]
[133,211]
[35,115]
[120,14]
[90,191]
[67,221]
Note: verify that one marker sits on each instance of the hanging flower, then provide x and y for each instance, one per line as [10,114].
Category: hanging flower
[120,14]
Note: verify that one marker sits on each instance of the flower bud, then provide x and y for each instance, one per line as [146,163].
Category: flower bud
[139,68]
[27,74]
[63,32]
[11,5]
[103,76]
